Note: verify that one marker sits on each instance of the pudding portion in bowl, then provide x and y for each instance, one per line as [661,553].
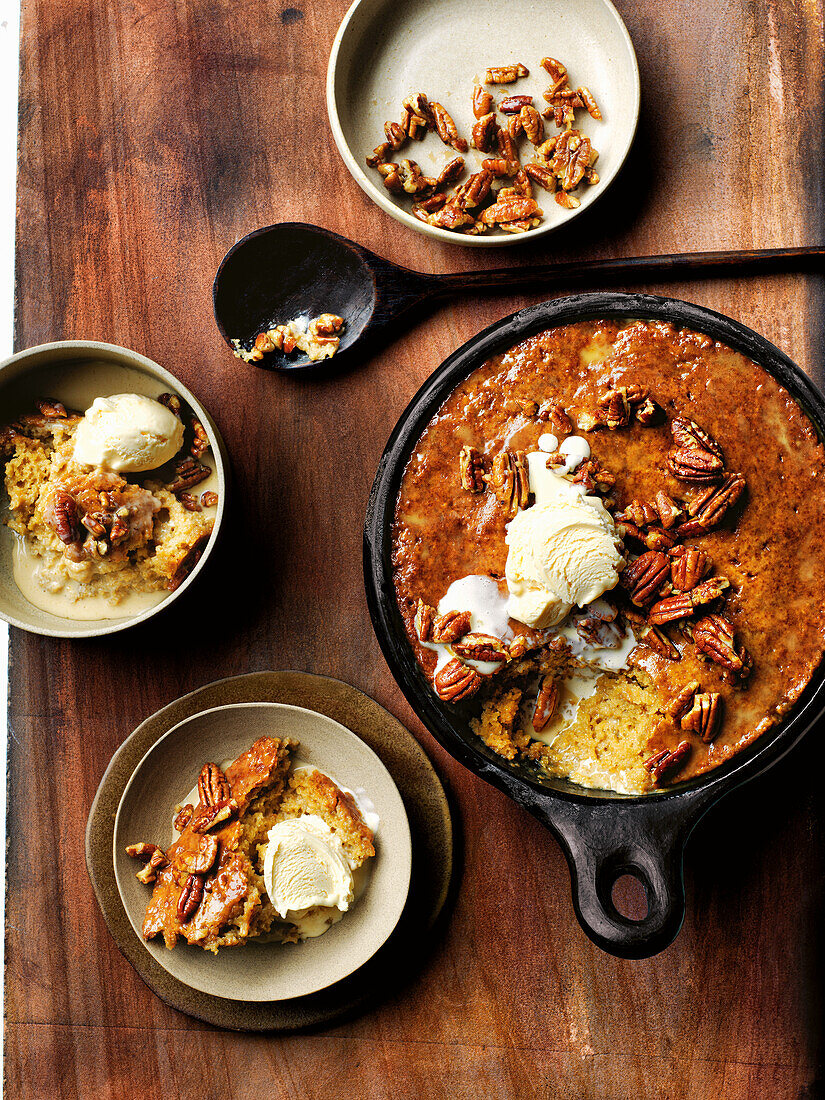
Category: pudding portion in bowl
[111,509]
[609,553]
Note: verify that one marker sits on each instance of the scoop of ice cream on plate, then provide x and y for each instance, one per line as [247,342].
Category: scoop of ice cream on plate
[127,433]
[305,867]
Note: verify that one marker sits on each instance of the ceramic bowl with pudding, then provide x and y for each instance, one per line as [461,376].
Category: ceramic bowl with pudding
[267,827]
[113,491]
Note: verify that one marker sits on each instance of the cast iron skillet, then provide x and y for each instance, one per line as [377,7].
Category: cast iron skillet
[603,835]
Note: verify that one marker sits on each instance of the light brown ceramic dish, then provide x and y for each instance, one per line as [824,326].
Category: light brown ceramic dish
[432,851]
[266,971]
[75,372]
[388,49]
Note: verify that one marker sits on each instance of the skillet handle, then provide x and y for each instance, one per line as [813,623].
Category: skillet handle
[603,840]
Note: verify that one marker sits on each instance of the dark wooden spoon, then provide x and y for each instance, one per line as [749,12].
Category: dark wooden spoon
[292,269]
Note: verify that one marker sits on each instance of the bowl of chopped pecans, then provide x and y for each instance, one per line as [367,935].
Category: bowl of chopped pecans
[114,488]
[483,146]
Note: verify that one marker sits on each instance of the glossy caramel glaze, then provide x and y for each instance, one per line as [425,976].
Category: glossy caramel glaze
[771,546]
[227,885]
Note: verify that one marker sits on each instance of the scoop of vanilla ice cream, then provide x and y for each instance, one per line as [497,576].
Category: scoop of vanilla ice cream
[127,433]
[305,865]
[562,551]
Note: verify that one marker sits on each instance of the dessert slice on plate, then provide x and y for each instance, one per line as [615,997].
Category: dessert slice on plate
[261,854]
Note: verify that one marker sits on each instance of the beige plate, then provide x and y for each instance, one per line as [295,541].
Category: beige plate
[431,827]
[271,971]
[387,49]
[75,372]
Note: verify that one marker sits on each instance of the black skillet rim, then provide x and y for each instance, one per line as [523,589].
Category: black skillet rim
[383,609]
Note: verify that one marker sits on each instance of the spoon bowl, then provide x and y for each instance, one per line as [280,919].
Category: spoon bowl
[294,270]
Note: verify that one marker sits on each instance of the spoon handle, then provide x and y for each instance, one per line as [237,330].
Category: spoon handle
[638,267]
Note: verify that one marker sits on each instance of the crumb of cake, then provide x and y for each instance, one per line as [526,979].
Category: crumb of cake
[176,532]
[553,659]
[606,745]
[498,726]
[318,339]
[312,792]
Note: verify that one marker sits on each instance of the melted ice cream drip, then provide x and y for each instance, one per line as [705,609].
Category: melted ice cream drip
[575,449]
[487,605]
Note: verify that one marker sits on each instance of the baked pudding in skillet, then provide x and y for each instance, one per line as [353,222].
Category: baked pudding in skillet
[609,553]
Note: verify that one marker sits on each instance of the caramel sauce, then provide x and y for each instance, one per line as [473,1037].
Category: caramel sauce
[771,546]
[227,884]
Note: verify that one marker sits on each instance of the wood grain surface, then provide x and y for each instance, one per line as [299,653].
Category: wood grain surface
[154,133]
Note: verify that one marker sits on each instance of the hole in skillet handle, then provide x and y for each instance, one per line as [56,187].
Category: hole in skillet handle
[628,895]
[644,838]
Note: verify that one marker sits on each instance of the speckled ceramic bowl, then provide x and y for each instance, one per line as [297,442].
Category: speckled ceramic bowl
[266,971]
[75,372]
[387,49]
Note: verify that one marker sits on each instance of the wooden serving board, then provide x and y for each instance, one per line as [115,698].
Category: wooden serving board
[153,135]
